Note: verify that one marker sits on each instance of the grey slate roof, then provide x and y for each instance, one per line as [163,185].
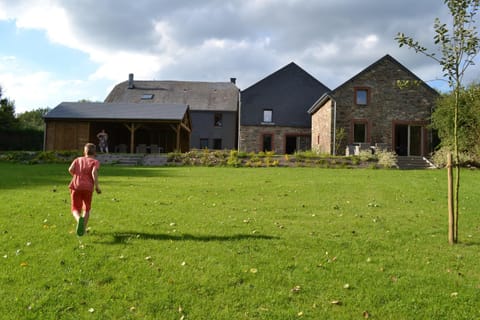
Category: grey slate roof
[117,111]
[289,92]
[200,96]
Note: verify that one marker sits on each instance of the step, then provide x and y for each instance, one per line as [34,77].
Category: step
[414,162]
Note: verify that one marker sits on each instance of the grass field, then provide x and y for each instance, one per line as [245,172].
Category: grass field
[238,243]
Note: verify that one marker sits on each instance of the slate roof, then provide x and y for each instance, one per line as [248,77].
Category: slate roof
[118,111]
[289,92]
[200,96]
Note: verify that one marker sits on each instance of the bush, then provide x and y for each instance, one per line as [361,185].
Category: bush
[439,158]
[40,157]
[387,159]
[366,155]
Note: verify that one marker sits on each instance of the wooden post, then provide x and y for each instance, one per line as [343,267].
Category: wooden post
[179,131]
[451,218]
[132,138]
[132,130]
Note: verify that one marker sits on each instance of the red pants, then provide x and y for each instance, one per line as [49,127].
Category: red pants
[81,199]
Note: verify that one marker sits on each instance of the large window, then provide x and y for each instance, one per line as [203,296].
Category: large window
[362,96]
[267,116]
[359,132]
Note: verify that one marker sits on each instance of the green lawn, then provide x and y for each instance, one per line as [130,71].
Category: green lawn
[238,243]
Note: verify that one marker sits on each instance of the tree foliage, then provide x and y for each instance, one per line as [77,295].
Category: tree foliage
[33,119]
[7,113]
[468,120]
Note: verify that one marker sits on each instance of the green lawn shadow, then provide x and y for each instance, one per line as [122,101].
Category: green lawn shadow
[125,237]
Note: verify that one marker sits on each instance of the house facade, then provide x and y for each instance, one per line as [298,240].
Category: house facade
[213,106]
[384,106]
[273,111]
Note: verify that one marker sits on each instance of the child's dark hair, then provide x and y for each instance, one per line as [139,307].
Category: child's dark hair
[90,149]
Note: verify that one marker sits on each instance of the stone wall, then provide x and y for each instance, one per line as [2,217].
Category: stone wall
[251,137]
[388,103]
[322,133]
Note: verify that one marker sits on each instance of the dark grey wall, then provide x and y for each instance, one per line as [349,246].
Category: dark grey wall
[203,128]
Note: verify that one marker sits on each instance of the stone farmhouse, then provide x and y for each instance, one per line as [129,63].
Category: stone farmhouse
[384,106]
[273,111]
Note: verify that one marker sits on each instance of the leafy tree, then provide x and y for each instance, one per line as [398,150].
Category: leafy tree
[468,120]
[458,46]
[7,113]
[33,119]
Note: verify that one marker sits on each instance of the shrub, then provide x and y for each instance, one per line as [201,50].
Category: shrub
[233,160]
[366,155]
[439,158]
[387,159]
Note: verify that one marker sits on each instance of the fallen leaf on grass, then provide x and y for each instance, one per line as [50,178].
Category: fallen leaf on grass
[23,264]
[296,289]
[253,270]
[336,302]
[454,294]
[366,315]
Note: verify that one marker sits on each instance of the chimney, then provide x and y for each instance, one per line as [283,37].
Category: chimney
[130,81]
[233,80]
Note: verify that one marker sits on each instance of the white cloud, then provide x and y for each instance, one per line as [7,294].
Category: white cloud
[213,40]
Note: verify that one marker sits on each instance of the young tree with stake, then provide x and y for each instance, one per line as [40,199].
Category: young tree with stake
[458,45]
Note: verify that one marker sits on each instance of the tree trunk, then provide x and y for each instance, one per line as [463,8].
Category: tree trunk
[451,216]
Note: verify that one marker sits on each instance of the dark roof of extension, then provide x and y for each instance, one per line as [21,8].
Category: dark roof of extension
[118,111]
[289,92]
[201,96]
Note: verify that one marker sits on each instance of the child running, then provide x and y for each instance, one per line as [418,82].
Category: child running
[84,171]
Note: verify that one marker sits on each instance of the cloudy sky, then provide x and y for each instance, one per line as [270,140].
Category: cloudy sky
[62,50]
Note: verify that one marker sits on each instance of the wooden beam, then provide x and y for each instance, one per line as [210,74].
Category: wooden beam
[132,128]
[185,127]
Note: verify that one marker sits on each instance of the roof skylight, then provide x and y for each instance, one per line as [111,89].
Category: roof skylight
[147,96]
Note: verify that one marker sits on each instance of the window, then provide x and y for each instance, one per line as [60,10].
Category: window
[359,132]
[217,120]
[267,115]
[361,96]
[267,142]
[147,96]
[203,143]
[217,144]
